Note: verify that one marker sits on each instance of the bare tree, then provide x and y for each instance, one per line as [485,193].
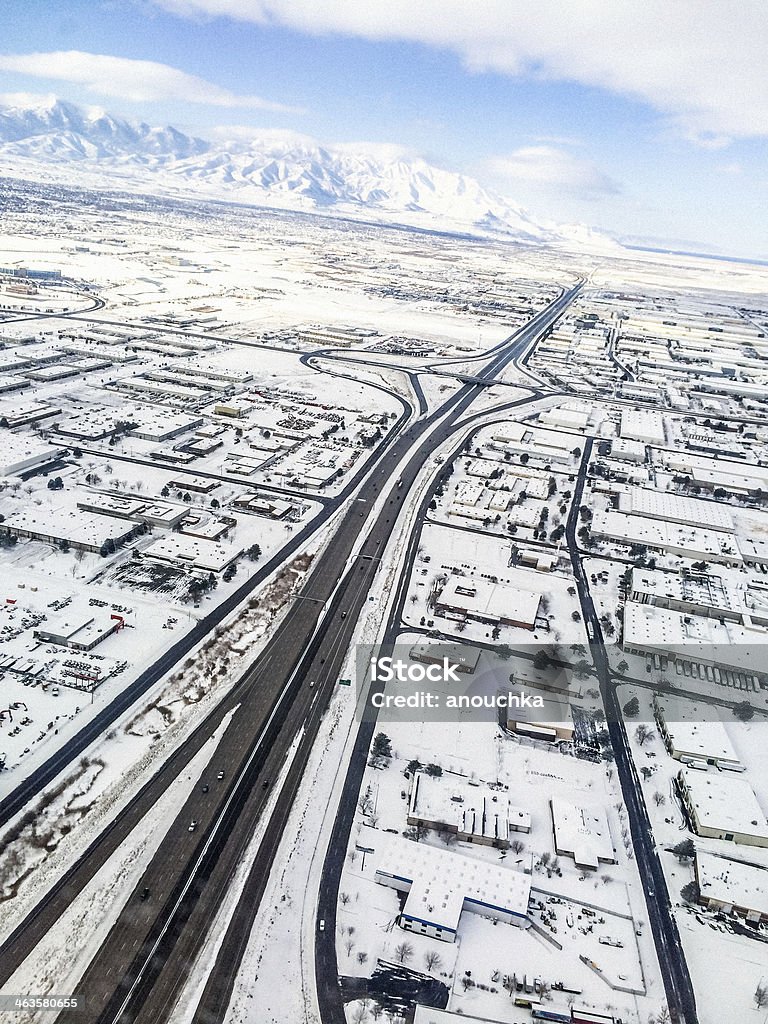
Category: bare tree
[643,733]
[432,959]
[761,996]
[403,952]
[517,846]
[659,798]
[344,898]
[362,957]
[349,946]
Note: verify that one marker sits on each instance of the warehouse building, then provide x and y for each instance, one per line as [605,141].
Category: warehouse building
[441,885]
[722,806]
[474,814]
[489,602]
[82,530]
[689,738]
[731,887]
[582,833]
[20,453]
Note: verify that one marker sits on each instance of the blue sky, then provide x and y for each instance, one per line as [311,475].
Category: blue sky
[639,116]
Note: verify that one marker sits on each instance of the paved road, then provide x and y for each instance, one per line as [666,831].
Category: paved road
[264,722]
[677,981]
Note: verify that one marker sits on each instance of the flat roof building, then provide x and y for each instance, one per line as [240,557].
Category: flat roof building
[642,425]
[689,737]
[442,884]
[463,657]
[732,887]
[22,452]
[676,508]
[686,541]
[81,634]
[474,814]
[722,806]
[582,833]
[488,602]
[192,552]
[79,529]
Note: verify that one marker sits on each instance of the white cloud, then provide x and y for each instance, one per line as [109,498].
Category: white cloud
[135,80]
[702,62]
[553,169]
[27,99]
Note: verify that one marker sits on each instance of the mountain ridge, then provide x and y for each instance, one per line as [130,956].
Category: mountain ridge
[271,168]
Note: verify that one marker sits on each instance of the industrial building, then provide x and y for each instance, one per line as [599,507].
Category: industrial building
[732,887]
[722,806]
[462,657]
[24,452]
[675,538]
[474,814]
[488,602]
[677,637]
[675,508]
[690,738]
[79,529]
[441,885]
[81,633]
[582,833]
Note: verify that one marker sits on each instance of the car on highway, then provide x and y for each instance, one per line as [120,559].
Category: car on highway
[144,892]
[322,925]
[220,775]
[343,615]
[192,825]
[205,788]
[311,683]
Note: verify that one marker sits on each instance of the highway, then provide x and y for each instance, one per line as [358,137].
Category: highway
[143,960]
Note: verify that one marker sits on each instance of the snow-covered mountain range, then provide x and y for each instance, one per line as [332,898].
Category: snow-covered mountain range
[276,169]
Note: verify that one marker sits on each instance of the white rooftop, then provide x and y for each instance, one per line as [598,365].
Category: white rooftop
[481,598]
[676,508]
[732,882]
[692,730]
[582,832]
[725,802]
[443,882]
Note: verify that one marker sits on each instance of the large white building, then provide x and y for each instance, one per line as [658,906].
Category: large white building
[691,542]
[441,885]
[582,833]
[78,529]
[474,814]
[732,887]
[723,806]
[22,452]
[488,602]
[642,425]
[676,508]
[690,736]
[675,636]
